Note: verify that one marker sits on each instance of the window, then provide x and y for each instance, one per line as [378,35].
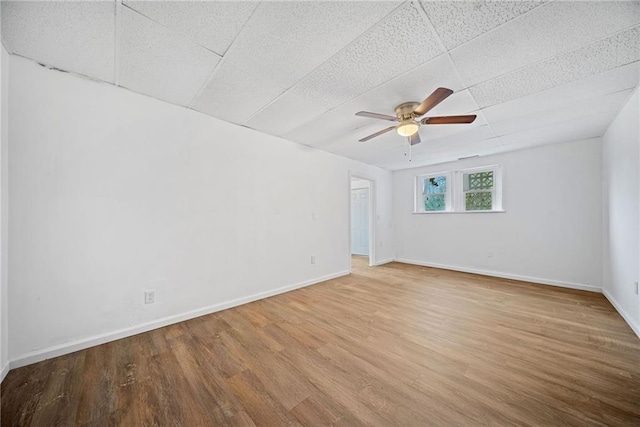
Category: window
[478,191]
[466,190]
[433,193]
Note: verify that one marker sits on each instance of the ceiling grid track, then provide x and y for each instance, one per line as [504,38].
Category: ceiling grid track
[593,115]
[168,28]
[116,43]
[498,27]
[354,40]
[206,82]
[223,58]
[524,67]
[458,75]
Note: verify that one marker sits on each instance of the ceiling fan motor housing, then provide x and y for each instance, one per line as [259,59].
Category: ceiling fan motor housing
[404,111]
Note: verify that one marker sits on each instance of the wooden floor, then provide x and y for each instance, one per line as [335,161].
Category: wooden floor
[394,345]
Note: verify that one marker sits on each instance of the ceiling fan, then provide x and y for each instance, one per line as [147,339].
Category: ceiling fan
[408,113]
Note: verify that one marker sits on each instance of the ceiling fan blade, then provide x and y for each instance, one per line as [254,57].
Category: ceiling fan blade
[373,135]
[448,120]
[415,139]
[432,100]
[376,116]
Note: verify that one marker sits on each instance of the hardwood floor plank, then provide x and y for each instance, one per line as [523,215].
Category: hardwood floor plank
[390,395]
[258,403]
[281,378]
[97,397]
[385,346]
[22,388]
[241,419]
[318,410]
[336,384]
[205,391]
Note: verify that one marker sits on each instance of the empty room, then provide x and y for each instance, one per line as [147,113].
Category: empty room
[315,213]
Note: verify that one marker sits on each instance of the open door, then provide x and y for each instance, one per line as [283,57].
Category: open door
[361,218]
[360,221]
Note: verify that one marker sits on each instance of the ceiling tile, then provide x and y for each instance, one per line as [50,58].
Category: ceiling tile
[234,93]
[478,147]
[328,127]
[55,33]
[541,34]
[158,62]
[612,102]
[572,130]
[603,55]
[422,156]
[414,85]
[399,43]
[376,152]
[626,77]
[284,114]
[457,22]
[213,24]
[284,41]
[461,140]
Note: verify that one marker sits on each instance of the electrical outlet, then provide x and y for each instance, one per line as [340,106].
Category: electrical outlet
[150,296]
[313,259]
[490,254]
[635,287]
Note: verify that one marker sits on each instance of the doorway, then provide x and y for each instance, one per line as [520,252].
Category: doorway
[361,219]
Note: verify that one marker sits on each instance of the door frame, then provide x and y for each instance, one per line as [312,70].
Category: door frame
[372,215]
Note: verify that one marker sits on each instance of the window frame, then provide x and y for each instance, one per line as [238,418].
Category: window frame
[496,191]
[419,192]
[455,194]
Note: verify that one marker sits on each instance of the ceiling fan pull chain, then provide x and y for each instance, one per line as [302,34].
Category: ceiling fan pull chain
[410,151]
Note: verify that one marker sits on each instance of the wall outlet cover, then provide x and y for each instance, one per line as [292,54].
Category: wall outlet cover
[150,297]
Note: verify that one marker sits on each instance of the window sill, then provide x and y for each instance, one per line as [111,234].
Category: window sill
[457,212]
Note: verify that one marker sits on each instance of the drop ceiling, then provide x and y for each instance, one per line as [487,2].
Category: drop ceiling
[534,72]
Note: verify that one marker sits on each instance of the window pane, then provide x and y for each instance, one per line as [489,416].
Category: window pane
[434,202]
[478,181]
[480,201]
[435,185]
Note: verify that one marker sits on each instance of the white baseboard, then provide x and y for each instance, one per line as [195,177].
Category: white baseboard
[530,279]
[81,344]
[4,371]
[632,323]
[385,261]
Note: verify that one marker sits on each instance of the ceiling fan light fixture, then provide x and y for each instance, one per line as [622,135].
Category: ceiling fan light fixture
[407,128]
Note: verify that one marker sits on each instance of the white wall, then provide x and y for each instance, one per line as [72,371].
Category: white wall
[113,193]
[550,233]
[4,303]
[621,173]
